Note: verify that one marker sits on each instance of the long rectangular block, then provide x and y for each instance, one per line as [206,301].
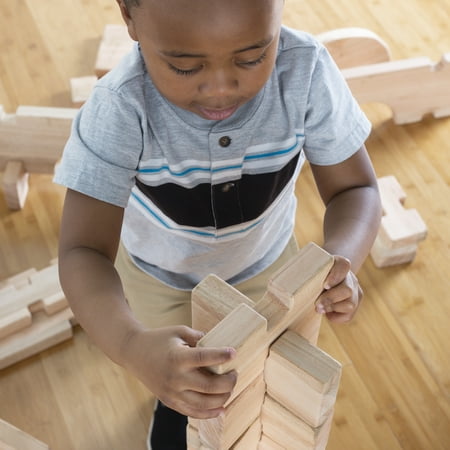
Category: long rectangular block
[291,432]
[302,378]
[222,432]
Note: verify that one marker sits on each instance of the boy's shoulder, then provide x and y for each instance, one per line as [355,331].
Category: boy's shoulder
[129,73]
[291,38]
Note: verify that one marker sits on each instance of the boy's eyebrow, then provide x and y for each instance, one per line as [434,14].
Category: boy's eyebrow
[182,54]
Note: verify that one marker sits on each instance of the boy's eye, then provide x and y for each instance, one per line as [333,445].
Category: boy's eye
[255,61]
[184,72]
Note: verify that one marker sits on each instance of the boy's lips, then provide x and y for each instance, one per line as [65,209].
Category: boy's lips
[216,113]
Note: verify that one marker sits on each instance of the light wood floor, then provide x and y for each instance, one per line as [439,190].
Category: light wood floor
[395,390]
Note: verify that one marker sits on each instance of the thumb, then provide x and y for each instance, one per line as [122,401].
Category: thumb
[337,273]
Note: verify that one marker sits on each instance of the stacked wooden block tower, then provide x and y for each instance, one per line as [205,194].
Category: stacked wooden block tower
[34,314]
[286,387]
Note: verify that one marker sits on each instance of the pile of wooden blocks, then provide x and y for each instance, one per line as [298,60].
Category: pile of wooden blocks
[34,314]
[286,389]
[401,229]
[31,141]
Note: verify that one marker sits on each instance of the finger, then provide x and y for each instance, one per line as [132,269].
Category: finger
[327,300]
[338,272]
[205,402]
[204,357]
[189,335]
[205,382]
[344,307]
[336,317]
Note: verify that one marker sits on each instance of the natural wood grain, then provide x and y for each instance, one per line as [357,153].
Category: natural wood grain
[395,386]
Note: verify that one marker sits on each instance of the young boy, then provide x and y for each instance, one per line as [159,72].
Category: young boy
[188,153]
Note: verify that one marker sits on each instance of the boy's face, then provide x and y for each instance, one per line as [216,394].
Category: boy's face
[207,56]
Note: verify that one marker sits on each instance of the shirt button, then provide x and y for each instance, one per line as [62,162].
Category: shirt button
[227,186]
[224,141]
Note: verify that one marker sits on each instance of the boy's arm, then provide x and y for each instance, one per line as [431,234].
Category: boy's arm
[352,218]
[163,359]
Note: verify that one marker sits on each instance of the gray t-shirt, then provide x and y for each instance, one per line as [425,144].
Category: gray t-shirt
[207,196]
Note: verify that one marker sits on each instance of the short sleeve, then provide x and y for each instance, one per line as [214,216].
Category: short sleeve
[335,125]
[100,158]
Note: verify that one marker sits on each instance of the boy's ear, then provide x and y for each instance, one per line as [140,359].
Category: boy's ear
[128,19]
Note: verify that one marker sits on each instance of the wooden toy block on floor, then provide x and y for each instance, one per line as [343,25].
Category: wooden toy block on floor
[34,314]
[412,88]
[15,184]
[294,364]
[401,229]
[81,88]
[11,438]
[115,43]
[31,140]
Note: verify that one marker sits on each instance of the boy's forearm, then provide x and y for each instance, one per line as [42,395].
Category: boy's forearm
[351,223]
[94,291]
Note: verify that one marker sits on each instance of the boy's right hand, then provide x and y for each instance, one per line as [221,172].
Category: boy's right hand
[168,363]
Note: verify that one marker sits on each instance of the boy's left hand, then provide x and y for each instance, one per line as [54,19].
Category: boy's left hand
[342,295]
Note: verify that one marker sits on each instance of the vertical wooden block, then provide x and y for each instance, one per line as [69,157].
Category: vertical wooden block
[302,378]
[212,300]
[291,432]
[222,432]
[15,184]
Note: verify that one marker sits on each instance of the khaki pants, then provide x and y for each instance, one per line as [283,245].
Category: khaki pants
[157,305]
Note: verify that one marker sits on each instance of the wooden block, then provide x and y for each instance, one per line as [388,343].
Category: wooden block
[15,439]
[212,300]
[44,332]
[296,286]
[192,438]
[36,136]
[250,439]
[384,256]
[302,378]
[291,432]
[399,227]
[15,322]
[352,47]
[81,88]
[308,325]
[222,432]
[267,444]
[19,280]
[412,88]
[114,45]
[244,330]
[15,184]
[43,293]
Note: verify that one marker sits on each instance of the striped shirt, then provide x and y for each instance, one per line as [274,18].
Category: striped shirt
[207,196]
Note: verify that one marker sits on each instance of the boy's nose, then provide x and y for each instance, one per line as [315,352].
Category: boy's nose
[220,83]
